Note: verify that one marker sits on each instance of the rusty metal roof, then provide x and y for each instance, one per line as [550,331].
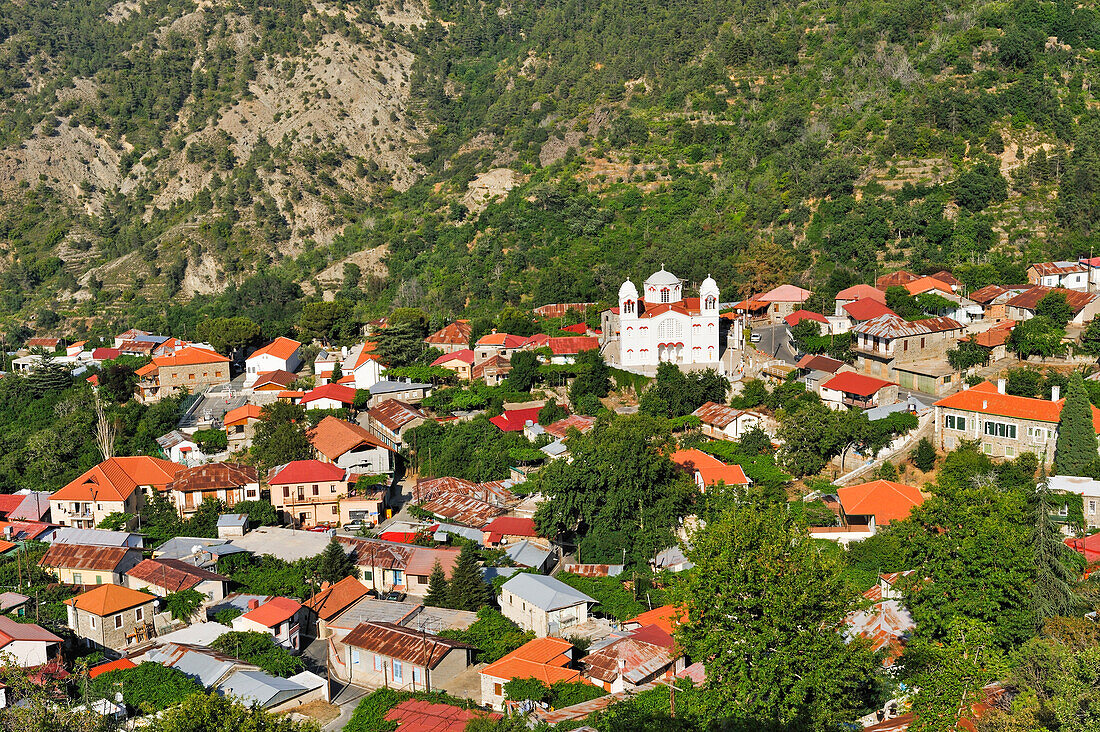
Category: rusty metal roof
[890,327]
[213,476]
[938,325]
[1028,299]
[79,556]
[393,414]
[172,574]
[719,415]
[643,660]
[462,509]
[404,644]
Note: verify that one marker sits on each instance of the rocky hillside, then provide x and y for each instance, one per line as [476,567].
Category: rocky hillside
[466,155]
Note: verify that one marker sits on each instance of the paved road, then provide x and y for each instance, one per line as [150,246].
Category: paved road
[773,341]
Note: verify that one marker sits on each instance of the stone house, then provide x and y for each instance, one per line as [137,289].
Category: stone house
[163,577]
[112,617]
[1005,425]
[392,419]
[543,605]
[189,369]
[451,338]
[76,564]
[723,422]
[240,426]
[881,343]
[388,655]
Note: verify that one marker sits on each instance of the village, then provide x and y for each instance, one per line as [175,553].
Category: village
[361,524]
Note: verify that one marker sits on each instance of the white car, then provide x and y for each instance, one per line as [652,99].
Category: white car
[755,337]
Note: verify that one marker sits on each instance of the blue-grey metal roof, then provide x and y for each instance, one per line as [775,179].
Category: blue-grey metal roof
[388,386]
[232,520]
[545,593]
[464,531]
[95,537]
[491,573]
[256,687]
[555,448]
[183,546]
[526,554]
[205,669]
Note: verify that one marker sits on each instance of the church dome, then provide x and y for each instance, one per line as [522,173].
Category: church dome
[628,291]
[663,278]
[709,285]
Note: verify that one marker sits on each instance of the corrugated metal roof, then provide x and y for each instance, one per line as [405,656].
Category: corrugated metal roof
[642,660]
[257,687]
[79,556]
[890,327]
[213,476]
[545,593]
[404,644]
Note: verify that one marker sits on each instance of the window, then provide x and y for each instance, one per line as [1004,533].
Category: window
[190,377]
[316,491]
[498,690]
[955,422]
[1092,506]
[1000,429]
[99,579]
[416,675]
[354,656]
[987,449]
[1010,451]
[664,294]
[368,575]
[397,671]
[78,578]
[286,491]
[377,662]
[922,343]
[1063,510]
[332,488]
[905,345]
[1038,434]
[118,621]
[92,619]
[139,614]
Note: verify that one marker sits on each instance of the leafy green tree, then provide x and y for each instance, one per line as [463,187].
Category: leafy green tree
[337,372]
[1053,307]
[147,688]
[551,412]
[118,381]
[260,513]
[401,345]
[952,673]
[229,335]
[183,604]
[1076,447]
[967,355]
[1090,338]
[525,369]
[493,635]
[216,713]
[280,436]
[115,521]
[328,321]
[204,522]
[765,608]
[438,590]
[808,438]
[467,589]
[416,318]
[924,455]
[529,689]
[210,441]
[593,376]
[336,564]
[260,649]
[1036,336]
[620,491]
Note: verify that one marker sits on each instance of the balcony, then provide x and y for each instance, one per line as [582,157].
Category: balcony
[860,402]
[872,351]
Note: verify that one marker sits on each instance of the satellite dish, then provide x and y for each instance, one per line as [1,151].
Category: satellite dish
[196,549]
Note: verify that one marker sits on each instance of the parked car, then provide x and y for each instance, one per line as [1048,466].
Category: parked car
[755,337]
[394,595]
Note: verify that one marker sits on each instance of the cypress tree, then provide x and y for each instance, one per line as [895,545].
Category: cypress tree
[437,587]
[1075,449]
[335,563]
[1053,592]
[467,590]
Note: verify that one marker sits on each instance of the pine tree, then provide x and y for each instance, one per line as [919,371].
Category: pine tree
[1052,593]
[437,587]
[467,590]
[335,564]
[337,372]
[1076,447]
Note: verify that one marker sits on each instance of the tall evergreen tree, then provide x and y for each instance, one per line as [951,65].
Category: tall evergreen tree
[1075,449]
[437,587]
[1052,594]
[335,563]
[467,590]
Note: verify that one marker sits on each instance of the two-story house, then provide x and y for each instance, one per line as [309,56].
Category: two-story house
[164,577]
[451,338]
[889,346]
[380,654]
[308,492]
[112,617]
[189,369]
[497,344]
[1005,425]
[351,447]
[280,617]
[1070,275]
[543,605]
[392,419]
[77,564]
[240,426]
[116,485]
[282,354]
[229,483]
[1085,305]
[849,390]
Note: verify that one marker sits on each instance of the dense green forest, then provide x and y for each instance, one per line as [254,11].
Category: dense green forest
[758,142]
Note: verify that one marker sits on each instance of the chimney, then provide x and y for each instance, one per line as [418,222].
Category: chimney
[1001,385]
[253,604]
[985,404]
[1055,393]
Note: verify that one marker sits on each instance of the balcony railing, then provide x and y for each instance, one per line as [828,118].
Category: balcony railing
[860,402]
[871,351]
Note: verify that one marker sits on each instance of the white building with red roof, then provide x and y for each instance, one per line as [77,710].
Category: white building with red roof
[282,354]
[851,390]
[308,491]
[279,617]
[661,325]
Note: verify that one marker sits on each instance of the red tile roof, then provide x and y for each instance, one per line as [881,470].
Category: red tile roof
[213,476]
[504,340]
[579,422]
[9,503]
[274,611]
[466,356]
[336,392]
[785,293]
[190,356]
[279,378]
[304,471]
[799,315]
[927,284]
[281,348]
[106,354]
[456,333]
[860,292]
[117,478]
[578,328]
[985,399]
[120,664]
[242,414]
[109,599]
[335,599]
[333,437]
[1087,546]
[816,362]
[867,309]
[710,469]
[884,499]
[666,617]
[572,345]
[995,336]
[850,382]
[545,659]
[511,526]
[514,420]
[12,630]
[413,715]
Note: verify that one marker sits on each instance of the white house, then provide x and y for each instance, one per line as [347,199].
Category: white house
[180,448]
[1087,488]
[543,605]
[279,617]
[362,365]
[1070,275]
[29,644]
[663,325]
[329,396]
[282,354]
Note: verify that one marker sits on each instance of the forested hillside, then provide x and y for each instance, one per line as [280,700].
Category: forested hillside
[168,149]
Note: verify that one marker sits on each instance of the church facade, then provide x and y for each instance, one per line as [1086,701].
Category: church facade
[661,325]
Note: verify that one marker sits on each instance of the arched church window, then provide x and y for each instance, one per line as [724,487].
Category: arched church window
[665,294]
[628,307]
[711,302]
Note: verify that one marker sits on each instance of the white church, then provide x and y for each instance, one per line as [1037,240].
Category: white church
[663,325]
